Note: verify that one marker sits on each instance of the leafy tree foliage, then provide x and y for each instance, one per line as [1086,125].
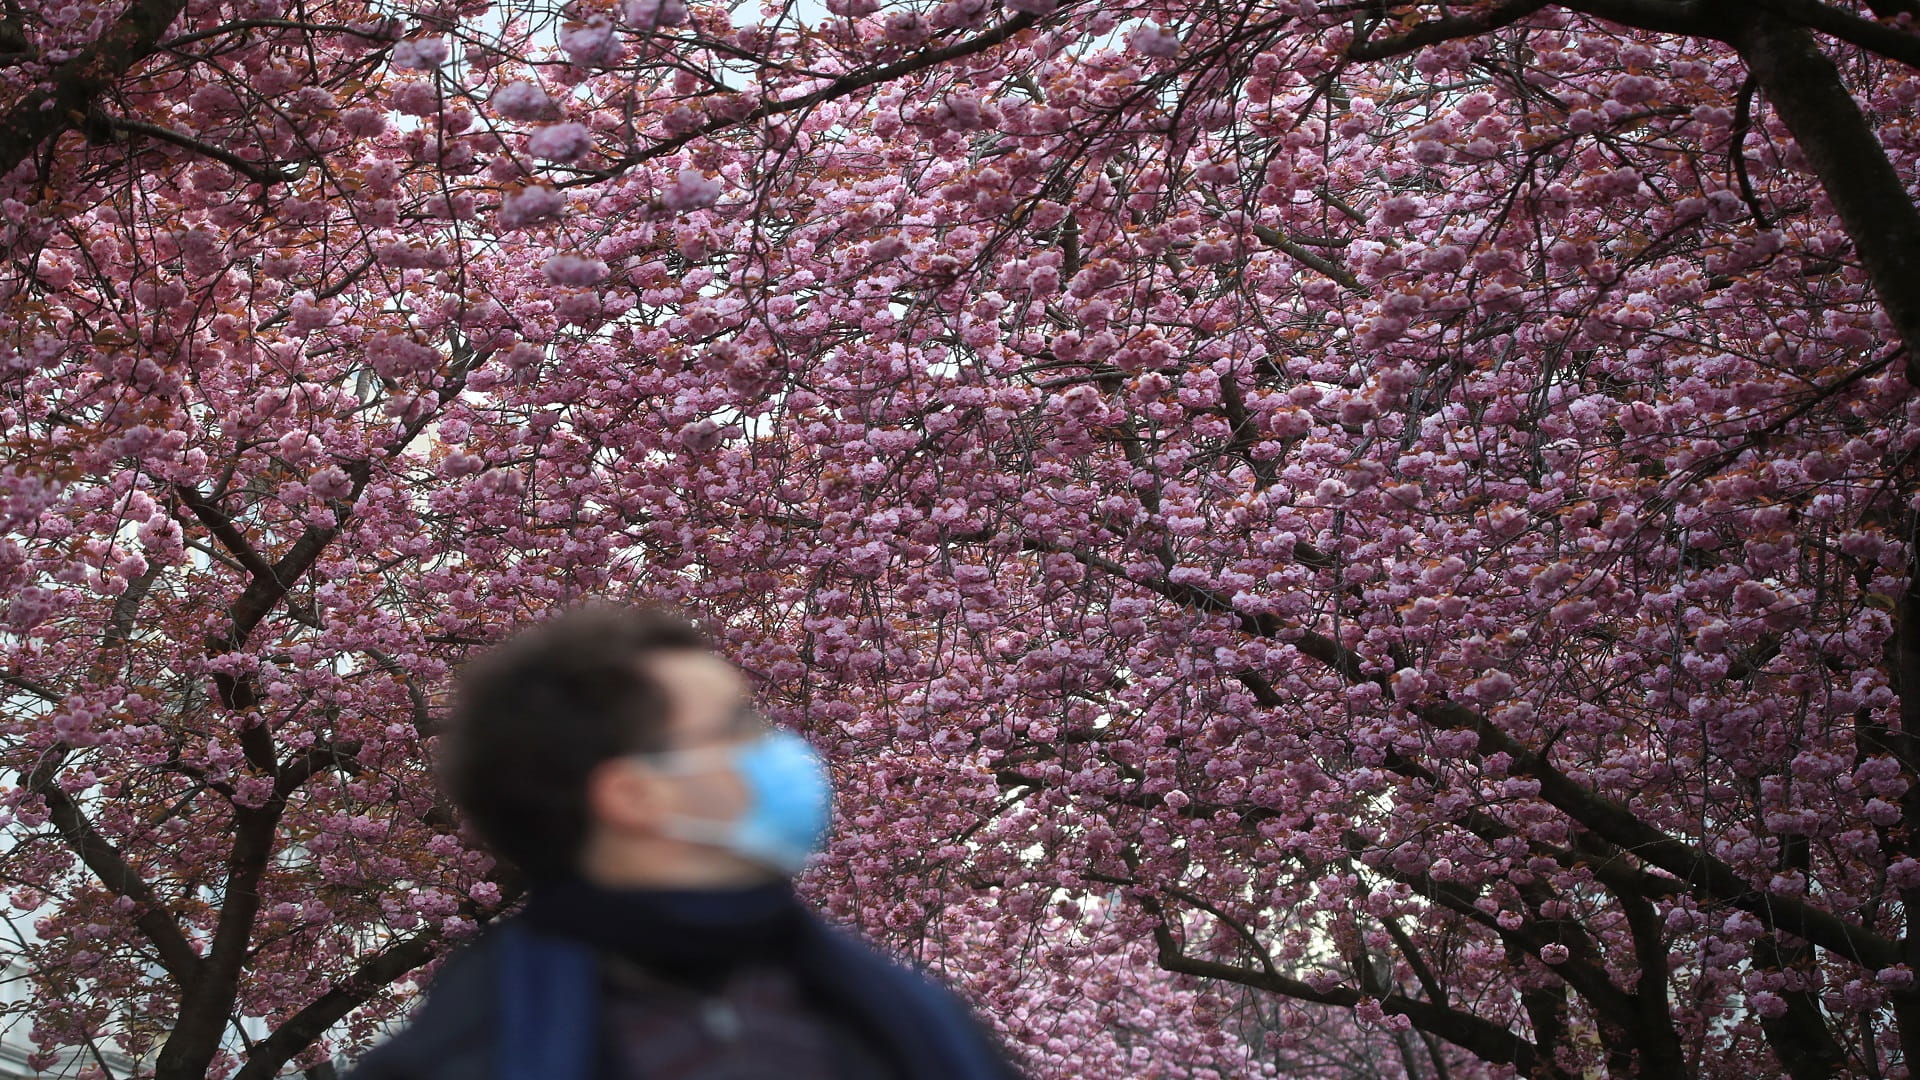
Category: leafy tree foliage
[1301,524]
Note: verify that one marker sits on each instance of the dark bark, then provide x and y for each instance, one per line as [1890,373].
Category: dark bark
[1799,1037]
[1410,951]
[1705,876]
[1437,1057]
[1903,676]
[75,85]
[833,91]
[298,1031]
[1660,16]
[1806,92]
[1656,1041]
[1888,41]
[1444,28]
[1546,1008]
[1805,88]
[206,1001]
[1611,830]
[176,954]
[1484,1039]
[1615,824]
[1584,969]
[252,170]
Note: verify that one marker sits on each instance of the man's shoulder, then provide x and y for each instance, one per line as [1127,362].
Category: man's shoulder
[856,953]
[901,997]
[442,1035]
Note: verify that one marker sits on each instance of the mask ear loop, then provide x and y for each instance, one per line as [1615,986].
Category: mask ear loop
[706,832]
[703,831]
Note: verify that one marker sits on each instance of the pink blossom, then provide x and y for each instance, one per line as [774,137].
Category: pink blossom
[330,483]
[1175,495]
[960,111]
[1634,89]
[214,99]
[1157,41]
[416,99]
[530,205]
[309,315]
[572,270]
[1751,596]
[420,54]
[1399,210]
[690,190]
[560,142]
[29,608]
[592,43]
[363,123]
[651,14]
[521,101]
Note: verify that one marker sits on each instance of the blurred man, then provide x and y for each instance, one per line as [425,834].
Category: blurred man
[658,818]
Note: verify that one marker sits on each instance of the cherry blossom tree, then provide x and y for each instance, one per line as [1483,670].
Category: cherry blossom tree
[1302,525]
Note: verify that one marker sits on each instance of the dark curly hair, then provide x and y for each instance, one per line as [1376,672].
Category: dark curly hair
[535,715]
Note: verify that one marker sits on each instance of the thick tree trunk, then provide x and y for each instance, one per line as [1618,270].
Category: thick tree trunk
[1804,87]
[1903,672]
[206,1003]
[1807,1049]
[77,84]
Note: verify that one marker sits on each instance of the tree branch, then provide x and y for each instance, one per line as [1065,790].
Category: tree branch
[1410,951]
[1660,16]
[1696,870]
[1486,1040]
[1869,195]
[238,25]
[252,170]
[1584,970]
[297,1032]
[838,88]
[1310,259]
[1737,152]
[207,1000]
[176,954]
[71,89]
[1655,1038]
[1877,38]
[225,531]
[1701,873]
[1445,28]
[289,777]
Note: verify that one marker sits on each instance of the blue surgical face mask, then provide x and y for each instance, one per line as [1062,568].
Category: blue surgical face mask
[789,800]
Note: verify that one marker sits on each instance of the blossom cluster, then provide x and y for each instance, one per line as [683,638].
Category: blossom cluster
[1410,555]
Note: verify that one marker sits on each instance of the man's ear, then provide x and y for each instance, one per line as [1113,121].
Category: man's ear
[624,795]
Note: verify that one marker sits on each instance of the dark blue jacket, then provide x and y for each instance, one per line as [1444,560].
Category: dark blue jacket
[520,996]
